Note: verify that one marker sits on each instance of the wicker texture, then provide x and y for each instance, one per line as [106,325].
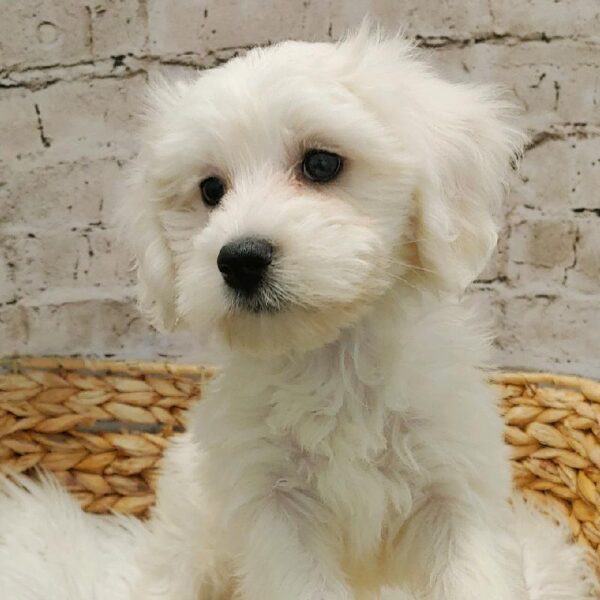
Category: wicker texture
[553,430]
[102,426]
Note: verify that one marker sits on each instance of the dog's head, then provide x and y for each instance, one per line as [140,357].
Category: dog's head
[279,196]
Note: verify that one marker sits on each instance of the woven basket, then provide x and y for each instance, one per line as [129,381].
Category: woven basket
[101,428]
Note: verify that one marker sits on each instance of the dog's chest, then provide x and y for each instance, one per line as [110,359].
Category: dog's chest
[321,445]
[357,461]
[366,470]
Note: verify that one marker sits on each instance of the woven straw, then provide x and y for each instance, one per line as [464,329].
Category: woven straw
[553,430]
[101,428]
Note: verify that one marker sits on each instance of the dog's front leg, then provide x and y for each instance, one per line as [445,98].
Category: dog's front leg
[177,558]
[452,551]
[286,557]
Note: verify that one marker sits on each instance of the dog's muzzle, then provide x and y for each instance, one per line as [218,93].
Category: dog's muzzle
[244,264]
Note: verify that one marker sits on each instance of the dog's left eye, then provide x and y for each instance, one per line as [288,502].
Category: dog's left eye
[212,190]
[321,166]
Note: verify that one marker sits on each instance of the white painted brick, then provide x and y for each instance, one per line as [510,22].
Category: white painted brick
[496,267]
[584,276]
[539,253]
[553,82]
[568,19]
[70,81]
[13,330]
[64,258]
[118,27]
[89,119]
[18,125]
[457,19]
[203,26]
[42,32]
[8,289]
[559,333]
[493,269]
[91,328]
[559,176]
[62,195]
[75,328]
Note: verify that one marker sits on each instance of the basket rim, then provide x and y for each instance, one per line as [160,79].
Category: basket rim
[140,367]
[121,367]
[588,386]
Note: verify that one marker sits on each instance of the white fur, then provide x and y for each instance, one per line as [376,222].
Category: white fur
[50,549]
[350,446]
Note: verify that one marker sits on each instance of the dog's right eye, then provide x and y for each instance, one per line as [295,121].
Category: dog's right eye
[321,166]
[212,190]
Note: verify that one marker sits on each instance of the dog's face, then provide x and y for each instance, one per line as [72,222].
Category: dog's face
[279,196]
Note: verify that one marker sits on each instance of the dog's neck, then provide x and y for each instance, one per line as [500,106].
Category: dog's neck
[404,333]
[338,398]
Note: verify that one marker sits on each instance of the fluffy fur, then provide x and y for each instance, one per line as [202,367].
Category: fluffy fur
[350,447]
[51,550]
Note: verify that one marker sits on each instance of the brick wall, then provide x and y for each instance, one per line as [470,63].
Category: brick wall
[70,77]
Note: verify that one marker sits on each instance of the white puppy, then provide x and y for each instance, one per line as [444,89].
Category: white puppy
[323,207]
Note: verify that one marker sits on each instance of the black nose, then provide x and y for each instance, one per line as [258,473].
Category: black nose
[244,262]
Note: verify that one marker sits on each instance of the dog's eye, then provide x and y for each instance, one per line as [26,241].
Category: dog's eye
[321,166]
[212,189]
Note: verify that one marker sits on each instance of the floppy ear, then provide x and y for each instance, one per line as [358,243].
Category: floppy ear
[138,213]
[143,233]
[470,148]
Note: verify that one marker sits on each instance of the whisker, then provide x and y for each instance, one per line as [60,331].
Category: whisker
[406,282]
[417,268]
